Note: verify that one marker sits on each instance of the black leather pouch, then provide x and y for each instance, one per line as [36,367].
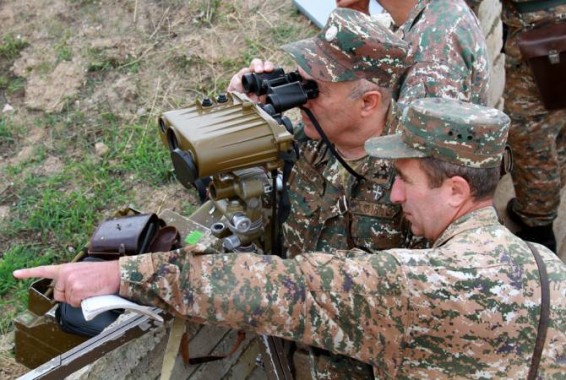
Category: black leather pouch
[127,235]
[544,49]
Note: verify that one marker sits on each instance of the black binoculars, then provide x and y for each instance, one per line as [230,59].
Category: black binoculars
[283,91]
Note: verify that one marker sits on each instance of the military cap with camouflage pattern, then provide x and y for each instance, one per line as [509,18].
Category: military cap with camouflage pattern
[352,46]
[450,130]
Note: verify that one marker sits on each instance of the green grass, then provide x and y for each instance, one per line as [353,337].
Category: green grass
[6,134]
[15,84]
[63,51]
[10,47]
[61,210]
[20,256]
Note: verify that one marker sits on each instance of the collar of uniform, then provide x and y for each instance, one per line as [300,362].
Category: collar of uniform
[482,217]
[413,16]
[335,173]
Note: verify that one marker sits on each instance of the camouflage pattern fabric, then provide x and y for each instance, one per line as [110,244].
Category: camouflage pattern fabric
[449,52]
[322,192]
[466,308]
[330,208]
[327,205]
[536,136]
[539,156]
[451,130]
[352,46]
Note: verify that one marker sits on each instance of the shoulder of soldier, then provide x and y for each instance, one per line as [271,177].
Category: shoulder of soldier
[445,14]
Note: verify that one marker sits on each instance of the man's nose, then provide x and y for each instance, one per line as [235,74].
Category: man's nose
[397,192]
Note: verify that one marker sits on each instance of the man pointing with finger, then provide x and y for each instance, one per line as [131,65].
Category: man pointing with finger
[469,307]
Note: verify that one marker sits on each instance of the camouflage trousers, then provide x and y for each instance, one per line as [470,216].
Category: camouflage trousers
[538,140]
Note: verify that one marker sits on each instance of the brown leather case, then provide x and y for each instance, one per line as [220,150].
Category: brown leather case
[544,49]
[128,235]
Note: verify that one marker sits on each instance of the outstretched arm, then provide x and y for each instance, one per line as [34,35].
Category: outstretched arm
[350,303]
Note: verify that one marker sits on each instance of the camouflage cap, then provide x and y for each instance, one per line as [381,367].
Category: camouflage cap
[450,130]
[352,46]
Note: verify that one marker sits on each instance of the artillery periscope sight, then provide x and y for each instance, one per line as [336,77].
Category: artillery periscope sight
[238,143]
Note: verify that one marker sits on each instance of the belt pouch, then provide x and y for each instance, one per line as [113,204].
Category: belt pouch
[544,49]
[128,235]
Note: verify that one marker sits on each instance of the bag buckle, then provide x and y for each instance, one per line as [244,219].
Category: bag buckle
[554,57]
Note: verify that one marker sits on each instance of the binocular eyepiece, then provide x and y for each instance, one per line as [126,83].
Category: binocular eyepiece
[284,91]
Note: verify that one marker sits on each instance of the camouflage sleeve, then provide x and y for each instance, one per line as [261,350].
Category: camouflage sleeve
[435,79]
[450,54]
[354,304]
[299,132]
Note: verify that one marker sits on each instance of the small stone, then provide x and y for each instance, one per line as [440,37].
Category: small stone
[100,149]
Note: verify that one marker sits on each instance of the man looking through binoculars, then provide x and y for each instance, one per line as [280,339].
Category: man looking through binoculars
[355,102]
[357,64]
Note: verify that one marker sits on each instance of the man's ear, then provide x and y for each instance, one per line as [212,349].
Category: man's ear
[459,191]
[371,101]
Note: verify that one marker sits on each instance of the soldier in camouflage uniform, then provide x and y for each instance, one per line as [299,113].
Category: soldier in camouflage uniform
[357,64]
[331,209]
[466,308]
[447,46]
[536,135]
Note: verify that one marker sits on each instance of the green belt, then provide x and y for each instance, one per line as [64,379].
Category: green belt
[535,6]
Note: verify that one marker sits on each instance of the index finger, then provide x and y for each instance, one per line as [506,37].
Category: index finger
[46,271]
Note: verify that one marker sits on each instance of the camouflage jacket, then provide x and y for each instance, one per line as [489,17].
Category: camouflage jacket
[466,308]
[331,209]
[449,51]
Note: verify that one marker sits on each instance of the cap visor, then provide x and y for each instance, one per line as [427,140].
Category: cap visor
[391,147]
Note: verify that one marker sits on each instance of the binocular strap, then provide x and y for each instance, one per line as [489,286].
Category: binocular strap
[330,145]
